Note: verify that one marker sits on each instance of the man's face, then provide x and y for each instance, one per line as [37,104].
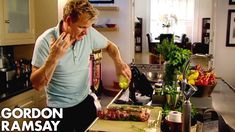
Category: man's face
[80,28]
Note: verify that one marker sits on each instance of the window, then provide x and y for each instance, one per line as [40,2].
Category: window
[176,15]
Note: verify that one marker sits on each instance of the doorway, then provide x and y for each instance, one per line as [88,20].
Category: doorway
[203,9]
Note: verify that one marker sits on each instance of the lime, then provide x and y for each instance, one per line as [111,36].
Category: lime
[123,82]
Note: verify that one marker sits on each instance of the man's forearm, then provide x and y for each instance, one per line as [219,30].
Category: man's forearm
[41,77]
[121,67]
[113,51]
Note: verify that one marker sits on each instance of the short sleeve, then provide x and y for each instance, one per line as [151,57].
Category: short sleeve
[99,41]
[40,53]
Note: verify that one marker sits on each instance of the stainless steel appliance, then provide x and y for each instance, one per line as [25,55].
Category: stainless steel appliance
[2,58]
[6,76]
[7,70]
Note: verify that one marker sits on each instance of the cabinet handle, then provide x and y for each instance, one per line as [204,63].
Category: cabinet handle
[30,102]
[23,105]
[7,21]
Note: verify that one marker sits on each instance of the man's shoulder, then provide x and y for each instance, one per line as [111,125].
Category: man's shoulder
[44,39]
[46,35]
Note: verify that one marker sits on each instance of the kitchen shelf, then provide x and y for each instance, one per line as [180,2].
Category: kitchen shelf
[106,29]
[138,35]
[205,31]
[107,8]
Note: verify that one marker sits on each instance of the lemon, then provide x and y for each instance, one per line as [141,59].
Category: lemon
[191,81]
[194,76]
[123,82]
[180,77]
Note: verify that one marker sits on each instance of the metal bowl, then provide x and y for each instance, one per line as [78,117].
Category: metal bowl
[154,76]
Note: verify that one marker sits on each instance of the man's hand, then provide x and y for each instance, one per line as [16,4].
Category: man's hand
[124,69]
[40,77]
[121,67]
[60,46]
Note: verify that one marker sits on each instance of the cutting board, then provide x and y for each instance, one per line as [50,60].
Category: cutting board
[127,126]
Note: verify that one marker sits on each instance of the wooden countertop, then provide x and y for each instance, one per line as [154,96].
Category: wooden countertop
[148,58]
[125,126]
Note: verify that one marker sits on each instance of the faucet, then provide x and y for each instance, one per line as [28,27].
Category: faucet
[187,93]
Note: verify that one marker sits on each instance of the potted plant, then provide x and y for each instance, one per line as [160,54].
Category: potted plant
[175,59]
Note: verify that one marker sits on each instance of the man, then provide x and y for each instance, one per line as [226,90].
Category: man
[60,64]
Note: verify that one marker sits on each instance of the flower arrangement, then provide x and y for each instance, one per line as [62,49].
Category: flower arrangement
[199,77]
[204,80]
[168,20]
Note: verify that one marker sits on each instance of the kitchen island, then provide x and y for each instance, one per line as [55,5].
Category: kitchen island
[221,100]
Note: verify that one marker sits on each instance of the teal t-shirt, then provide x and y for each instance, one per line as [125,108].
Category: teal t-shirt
[70,82]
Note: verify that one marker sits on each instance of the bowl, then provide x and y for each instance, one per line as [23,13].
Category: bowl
[204,91]
[111,25]
[154,76]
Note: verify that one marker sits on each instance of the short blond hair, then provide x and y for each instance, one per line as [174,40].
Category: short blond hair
[76,8]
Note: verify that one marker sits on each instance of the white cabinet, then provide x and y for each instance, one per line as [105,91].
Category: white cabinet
[17,22]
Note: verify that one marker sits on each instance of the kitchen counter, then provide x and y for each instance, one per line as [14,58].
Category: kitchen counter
[223,97]
[222,101]
[127,126]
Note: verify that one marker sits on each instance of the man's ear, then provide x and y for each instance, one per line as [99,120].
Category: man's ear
[68,20]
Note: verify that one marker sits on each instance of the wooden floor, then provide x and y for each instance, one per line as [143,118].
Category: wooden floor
[147,58]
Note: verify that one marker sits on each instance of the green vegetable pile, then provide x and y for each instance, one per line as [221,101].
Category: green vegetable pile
[175,58]
[173,54]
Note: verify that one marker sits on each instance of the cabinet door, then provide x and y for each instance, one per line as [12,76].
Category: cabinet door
[18,21]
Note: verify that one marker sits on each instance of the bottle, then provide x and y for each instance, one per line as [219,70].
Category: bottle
[123,82]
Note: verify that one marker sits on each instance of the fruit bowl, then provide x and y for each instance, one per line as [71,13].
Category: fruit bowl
[204,91]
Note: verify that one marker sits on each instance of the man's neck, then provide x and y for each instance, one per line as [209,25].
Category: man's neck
[62,26]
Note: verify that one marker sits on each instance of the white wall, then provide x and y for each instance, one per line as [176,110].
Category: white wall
[142,9]
[46,14]
[224,56]
[203,9]
[123,38]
